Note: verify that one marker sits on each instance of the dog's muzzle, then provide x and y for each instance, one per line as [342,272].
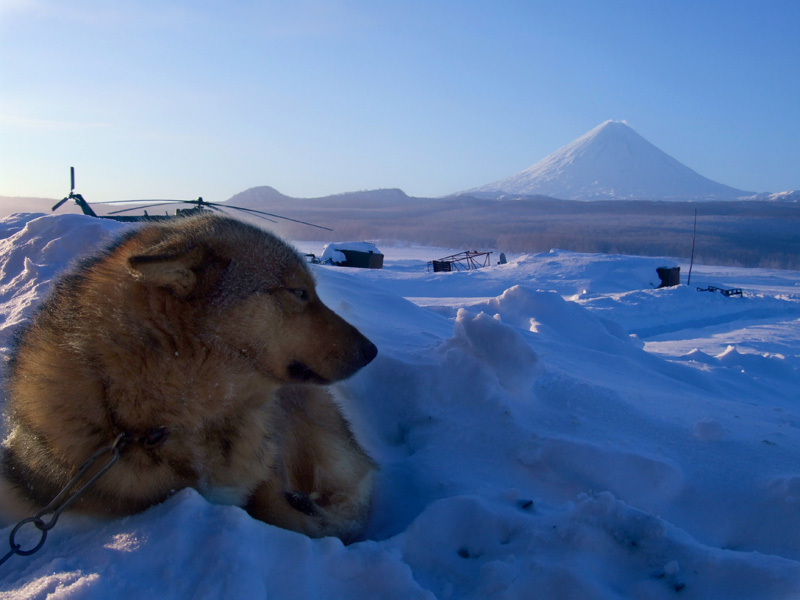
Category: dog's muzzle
[359,358]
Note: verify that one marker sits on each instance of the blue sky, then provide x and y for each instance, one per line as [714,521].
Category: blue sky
[175,99]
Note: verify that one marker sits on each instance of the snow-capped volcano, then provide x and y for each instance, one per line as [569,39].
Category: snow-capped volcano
[611,161]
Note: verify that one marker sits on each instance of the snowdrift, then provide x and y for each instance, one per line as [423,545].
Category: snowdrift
[549,428]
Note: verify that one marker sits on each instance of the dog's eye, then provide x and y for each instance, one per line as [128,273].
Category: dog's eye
[300,293]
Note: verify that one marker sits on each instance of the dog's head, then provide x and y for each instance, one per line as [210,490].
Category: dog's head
[254,295]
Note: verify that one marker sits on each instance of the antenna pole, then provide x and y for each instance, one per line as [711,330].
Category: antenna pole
[691,262]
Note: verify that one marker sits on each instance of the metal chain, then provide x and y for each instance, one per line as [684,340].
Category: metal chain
[63,500]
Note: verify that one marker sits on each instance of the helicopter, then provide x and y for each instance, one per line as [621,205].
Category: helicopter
[200,206]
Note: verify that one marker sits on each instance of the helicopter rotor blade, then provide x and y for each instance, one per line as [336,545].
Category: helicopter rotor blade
[222,205]
[116,212]
[59,203]
[145,204]
[145,201]
[200,204]
[261,212]
[255,213]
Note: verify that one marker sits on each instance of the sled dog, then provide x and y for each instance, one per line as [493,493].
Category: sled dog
[201,346]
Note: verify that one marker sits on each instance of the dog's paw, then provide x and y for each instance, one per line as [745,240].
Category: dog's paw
[320,515]
[305,503]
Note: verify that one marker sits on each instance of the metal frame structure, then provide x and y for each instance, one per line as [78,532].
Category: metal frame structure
[466,261]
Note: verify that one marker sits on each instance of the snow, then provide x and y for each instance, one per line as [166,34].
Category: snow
[333,252]
[554,427]
[611,161]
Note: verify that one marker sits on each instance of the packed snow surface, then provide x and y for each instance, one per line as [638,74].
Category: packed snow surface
[550,428]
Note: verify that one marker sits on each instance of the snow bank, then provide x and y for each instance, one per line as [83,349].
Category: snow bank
[529,445]
[333,252]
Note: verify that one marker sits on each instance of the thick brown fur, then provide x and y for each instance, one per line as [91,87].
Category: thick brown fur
[210,330]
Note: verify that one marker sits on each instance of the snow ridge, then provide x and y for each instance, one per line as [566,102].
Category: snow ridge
[553,427]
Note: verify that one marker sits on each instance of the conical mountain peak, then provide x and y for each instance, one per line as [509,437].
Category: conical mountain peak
[611,161]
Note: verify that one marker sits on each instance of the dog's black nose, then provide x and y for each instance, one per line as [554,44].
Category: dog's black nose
[369,351]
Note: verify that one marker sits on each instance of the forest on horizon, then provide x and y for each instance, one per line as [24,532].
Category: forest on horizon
[736,233]
[755,234]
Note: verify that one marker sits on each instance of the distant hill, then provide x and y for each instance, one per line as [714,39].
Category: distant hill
[611,162]
[258,196]
[15,204]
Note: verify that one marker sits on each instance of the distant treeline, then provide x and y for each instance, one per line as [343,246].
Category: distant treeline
[736,233]
[747,234]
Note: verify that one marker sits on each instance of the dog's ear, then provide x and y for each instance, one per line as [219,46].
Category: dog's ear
[175,270]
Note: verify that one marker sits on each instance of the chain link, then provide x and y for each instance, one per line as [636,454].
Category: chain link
[63,500]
